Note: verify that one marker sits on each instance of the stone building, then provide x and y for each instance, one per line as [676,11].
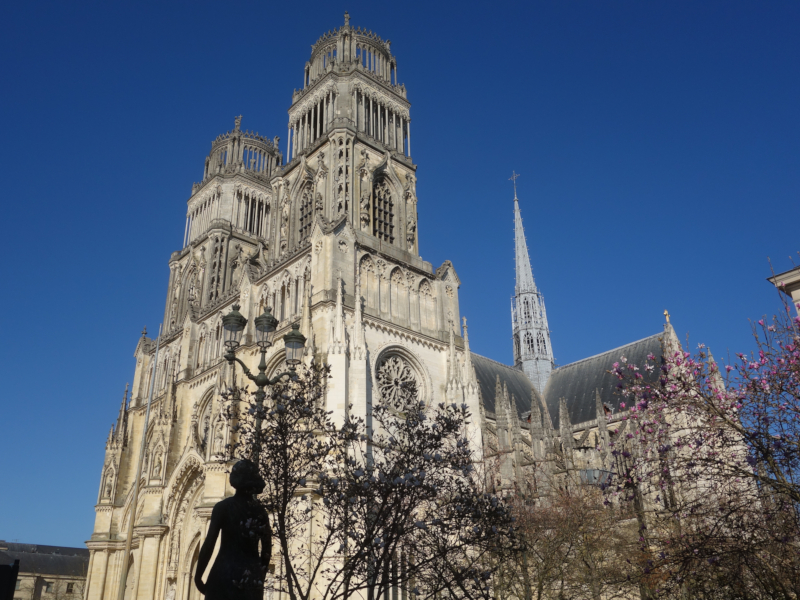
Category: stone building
[47,572]
[326,235]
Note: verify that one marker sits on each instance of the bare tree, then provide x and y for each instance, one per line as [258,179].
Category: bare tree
[370,511]
[572,545]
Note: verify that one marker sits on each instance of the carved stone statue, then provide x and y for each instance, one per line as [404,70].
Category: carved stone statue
[318,204]
[365,209]
[239,570]
[411,231]
[174,552]
[157,468]
[219,442]
[284,219]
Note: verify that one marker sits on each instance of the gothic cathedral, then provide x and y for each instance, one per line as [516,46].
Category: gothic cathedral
[326,235]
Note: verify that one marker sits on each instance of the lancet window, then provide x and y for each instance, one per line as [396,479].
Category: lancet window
[529,349]
[427,306]
[541,345]
[251,212]
[306,212]
[201,213]
[383,213]
[313,123]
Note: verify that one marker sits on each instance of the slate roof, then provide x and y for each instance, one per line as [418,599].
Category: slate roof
[487,370]
[46,560]
[577,382]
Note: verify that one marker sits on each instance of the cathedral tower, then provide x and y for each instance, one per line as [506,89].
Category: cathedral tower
[532,350]
[326,235]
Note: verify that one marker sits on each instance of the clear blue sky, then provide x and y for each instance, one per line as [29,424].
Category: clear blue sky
[658,144]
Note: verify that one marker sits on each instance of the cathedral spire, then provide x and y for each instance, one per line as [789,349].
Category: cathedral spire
[532,350]
[522,259]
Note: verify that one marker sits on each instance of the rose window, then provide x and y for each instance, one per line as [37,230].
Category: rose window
[397,382]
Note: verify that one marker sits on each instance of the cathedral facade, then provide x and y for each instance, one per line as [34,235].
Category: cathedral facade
[327,236]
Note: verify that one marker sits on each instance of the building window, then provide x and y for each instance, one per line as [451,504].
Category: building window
[70,588]
[383,215]
[48,587]
[306,213]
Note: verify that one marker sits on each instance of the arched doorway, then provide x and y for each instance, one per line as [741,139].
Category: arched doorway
[193,593]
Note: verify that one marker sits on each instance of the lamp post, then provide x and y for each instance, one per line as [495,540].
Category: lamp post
[233,325]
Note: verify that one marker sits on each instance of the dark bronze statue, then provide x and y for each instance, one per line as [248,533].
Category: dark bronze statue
[239,569]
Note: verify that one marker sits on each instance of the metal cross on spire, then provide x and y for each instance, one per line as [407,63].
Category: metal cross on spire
[513,179]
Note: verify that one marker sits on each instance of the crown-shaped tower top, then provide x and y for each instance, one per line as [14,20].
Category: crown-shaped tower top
[350,81]
[349,47]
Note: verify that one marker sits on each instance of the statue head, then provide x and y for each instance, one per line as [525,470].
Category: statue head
[246,478]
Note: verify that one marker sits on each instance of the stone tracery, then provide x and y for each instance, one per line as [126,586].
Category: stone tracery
[397,382]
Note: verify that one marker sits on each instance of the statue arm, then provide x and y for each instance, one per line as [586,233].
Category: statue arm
[207,549]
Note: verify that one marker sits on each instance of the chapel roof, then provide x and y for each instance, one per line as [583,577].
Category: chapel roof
[46,560]
[519,386]
[577,382]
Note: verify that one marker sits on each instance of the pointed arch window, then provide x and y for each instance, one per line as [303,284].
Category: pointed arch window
[528,343]
[306,212]
[541,345]
[383,213]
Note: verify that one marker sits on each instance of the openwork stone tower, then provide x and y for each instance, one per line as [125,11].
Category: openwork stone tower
[533,352]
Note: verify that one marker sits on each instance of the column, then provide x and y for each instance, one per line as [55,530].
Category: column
[386,125]
[288,141]
[151,549]
[408,125]
[371,124]
[398,144]
[325,113]
[138,560]
[185,231]
[98,583]
[355,109]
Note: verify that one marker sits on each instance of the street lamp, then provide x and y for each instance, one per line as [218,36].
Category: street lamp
[266,324]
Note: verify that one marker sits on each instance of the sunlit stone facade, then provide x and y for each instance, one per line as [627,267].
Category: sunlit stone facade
[327,236]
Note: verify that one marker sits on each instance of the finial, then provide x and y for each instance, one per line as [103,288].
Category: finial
[237,123]
[144,331]
[666,314]
[513,179]
[346,19]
